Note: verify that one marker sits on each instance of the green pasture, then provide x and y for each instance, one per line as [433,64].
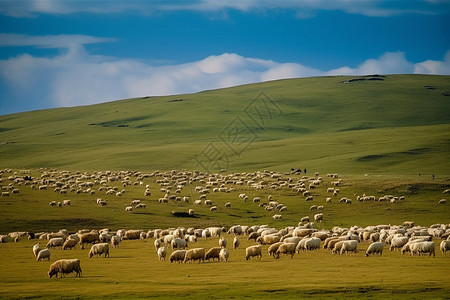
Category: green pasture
[133,272]
[397,125]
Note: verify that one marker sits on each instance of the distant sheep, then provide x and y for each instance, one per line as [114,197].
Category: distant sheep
[213,253]
[43,254]
[162,252]
[99,249]
[253,251]
[286,248]
[55,242]
[349,246]
[195,254]
[65,266]
[276,217]
[273,248]
[69,244]
[442,201]
[177,255]
[222,242]
[223,255]
[374,248]
[236,243]
[36,249]
[318,217]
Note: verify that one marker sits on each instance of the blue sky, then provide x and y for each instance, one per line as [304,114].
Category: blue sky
[68,53]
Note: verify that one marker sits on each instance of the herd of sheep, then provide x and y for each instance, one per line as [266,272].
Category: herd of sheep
[291,240]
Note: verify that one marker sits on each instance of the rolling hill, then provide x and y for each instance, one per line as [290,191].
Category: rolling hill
[371,124]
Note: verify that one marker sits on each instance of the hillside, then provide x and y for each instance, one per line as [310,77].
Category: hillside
[379,124]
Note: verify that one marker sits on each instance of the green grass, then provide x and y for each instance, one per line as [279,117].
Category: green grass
[319,123]
[392,130]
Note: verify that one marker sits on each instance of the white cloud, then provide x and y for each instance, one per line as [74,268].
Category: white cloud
[75,77]
[50,41]
[29,8]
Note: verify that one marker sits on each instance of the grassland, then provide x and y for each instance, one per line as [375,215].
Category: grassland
[391,128]
[397,125]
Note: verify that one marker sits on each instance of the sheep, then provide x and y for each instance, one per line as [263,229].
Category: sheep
[268,239]
[253,236]
[423,247]
[66,202]
[236,230]
[318,217]
[398,242]
[312,243]
[65,266]
[213,253]
[5,194]
[195,254]
[69,244]
[228,204]
[55,242]
[236,243]
[223,255]
[222,242]
[349,246]
[99,249]
[305,219]
[253,251]
[286,248]
[132,235]
[337,247]
[88,238]
[129,208]
[176,256]
[213,208]
[191,212]
[442,201]
[276,217]
[273,248]
[43,254]
[178,243]
[52,203]
[115,240]
[36,249]
[293,239]
[376,247]
[444,246]
[162,252]
[374,237]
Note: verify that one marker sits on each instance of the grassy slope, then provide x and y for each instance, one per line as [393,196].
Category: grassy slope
[397,125]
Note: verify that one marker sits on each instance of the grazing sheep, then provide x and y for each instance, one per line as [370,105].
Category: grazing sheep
[349,246]
[398,242]
[253,251]
[43,254]
[318,217]
[162,252]
[69,244]
[276,217]
[273,248]
[99,249]
[305,219]
[253,236]
[213,253]
[442,201]
[423,247]
[228,204]
[66,202]
[36,249]
[223,255]
[236,243]
[176,256]
[55,242]
[178,243]
[129,208]
[65,266]
[312,243]
[337,246]
[375,237]
[115,240]
[268,239]
[286,248]
[444,246]
[191,212]
[222,242]
[195,254]
[293,239]
[132,235]
[88,238]
[376,247]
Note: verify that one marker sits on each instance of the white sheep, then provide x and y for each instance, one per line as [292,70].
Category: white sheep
[43,254]
[398,242]
[286,248]
[115,240]
[36,249]
[177,255]
[99,249]
[178,243]
[253,251]
[276,217]
[444,246]
[376,247]
[223,255]
[312,243]
[65,266]
[195,254]
[423,247]
[55,242]
[442,201]
[162,252]
[222,242]
[318,217]
[236,243]
[349,246]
